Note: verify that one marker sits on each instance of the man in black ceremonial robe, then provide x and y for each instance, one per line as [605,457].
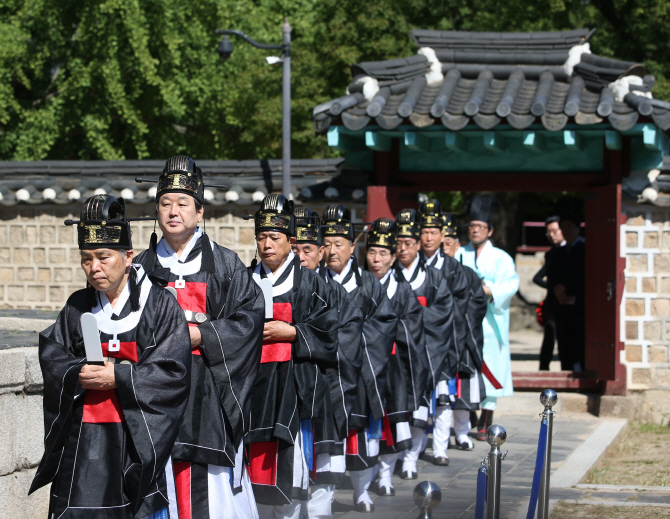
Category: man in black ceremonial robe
[224,310]
[109,429]
[431,289]
[432,223]
[470,388]
[331,424]
[299,341]
[408,366]
[379,332]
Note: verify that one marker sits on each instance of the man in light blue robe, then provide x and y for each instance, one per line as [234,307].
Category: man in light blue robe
[500,282]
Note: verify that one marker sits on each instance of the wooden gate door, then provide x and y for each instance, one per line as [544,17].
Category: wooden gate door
[604,288]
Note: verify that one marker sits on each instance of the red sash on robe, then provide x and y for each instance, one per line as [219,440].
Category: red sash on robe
[192,297]
[278,351]
[103,406]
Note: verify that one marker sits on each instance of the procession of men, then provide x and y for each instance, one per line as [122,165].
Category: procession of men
[184,384]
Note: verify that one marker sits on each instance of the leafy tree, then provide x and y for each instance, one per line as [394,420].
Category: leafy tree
[133,79]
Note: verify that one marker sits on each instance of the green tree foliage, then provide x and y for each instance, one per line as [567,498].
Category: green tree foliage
[133,79]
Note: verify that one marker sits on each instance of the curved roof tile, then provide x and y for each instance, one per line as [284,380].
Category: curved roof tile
[493,78]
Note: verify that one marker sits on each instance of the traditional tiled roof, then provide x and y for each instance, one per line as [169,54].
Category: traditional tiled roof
[248,181]
[482,78]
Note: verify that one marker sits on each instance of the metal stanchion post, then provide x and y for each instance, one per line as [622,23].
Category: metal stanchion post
[495,436]
[548,399]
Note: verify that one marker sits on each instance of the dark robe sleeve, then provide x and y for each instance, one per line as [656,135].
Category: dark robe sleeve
[472,358]
[316,321]
[539,277]
[343,379]
[61,364]
[438,319]
[153,393]
[458,285]
[411,344]
[379,331]
[233,340]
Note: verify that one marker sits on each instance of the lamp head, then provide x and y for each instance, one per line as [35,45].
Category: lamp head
[225,48]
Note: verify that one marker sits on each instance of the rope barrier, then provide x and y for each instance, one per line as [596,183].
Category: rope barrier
[480,507]
[537,476]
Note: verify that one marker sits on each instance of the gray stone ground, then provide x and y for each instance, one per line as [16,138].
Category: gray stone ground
[458,480]
[17,339]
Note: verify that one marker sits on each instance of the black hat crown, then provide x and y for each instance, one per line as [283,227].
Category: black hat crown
[337,222]
[103,224]
[307,226]
[407,224]
[181,175]
[482,208]
[449,227]
[276,214]
[382,234]
[431,214]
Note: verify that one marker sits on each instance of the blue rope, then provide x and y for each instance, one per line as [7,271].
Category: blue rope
[481,494]
[537,476]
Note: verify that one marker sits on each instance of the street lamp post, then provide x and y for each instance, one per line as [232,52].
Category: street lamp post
[225,49]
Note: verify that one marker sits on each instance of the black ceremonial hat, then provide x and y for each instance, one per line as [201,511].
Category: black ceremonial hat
[307,226]
[407,224]
[482,208]
[382,234]
[337,222]
[181,175]
[449,227]
[103,224]
[275,214]
[431,214]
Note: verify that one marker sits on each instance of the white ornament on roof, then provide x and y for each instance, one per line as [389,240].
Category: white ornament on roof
[127,194]
[575,56]
[370,86]
[434,76]
[49,193]
[23,195]
[621,87]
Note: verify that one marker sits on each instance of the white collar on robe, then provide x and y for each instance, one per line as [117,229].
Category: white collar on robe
[393,283]
[168,258]
[436,261]
[351,284]
[409,272]
[286,285]
[103,310]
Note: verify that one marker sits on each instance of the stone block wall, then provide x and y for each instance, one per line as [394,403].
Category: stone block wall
[21,434]
[39,257]
[645,307]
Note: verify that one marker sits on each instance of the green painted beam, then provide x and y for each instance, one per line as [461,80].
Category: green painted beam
[533,141]
[426,142]
[377,141]
[343,141]
[455,141]
[572,140]
[494,142]
[612,140]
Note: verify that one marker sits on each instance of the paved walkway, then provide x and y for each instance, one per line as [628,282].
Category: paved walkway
[458,481]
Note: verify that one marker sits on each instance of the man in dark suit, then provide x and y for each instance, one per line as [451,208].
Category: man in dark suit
[569,292]
[546,278]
